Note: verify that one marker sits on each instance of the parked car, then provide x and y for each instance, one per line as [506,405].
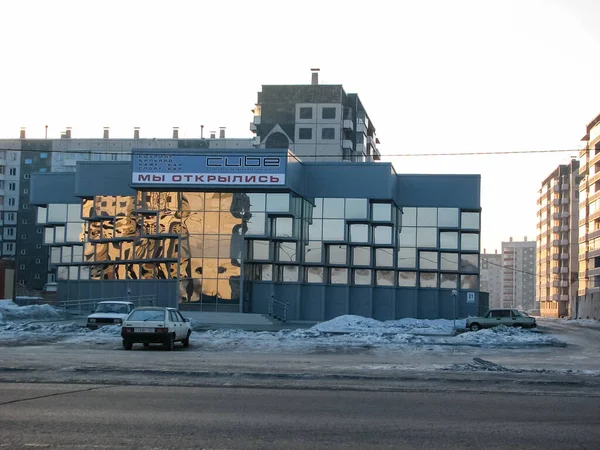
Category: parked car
[159,325]
[109,313]
[501,316]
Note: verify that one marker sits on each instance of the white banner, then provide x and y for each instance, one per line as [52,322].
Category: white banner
[208,178]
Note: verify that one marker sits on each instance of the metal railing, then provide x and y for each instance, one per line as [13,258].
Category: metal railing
[88,306]
[277,309]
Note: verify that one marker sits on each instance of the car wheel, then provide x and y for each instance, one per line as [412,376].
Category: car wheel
[475,327]
[186,341]
[169,342]
[127,344]
[517,325]
[146,344]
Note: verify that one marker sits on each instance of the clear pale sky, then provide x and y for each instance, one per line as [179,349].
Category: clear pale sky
[436,76]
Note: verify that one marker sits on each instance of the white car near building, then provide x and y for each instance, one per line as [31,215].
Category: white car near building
[109,313]
[157,325]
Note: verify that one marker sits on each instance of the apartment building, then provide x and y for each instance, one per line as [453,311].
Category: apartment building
[518,274]
[587,304]
[316,122]
[491,277]
[557,246]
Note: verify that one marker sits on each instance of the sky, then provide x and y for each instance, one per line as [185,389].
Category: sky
[436,76]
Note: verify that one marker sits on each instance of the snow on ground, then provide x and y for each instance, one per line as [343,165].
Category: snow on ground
[41,324]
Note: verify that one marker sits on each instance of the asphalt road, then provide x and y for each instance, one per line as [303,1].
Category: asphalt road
[79,416]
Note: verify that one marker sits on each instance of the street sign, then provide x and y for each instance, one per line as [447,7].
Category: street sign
[470,297]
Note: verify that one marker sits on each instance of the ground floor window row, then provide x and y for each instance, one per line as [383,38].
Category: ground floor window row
[221,270]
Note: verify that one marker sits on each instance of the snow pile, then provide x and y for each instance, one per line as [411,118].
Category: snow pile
[11,311]
[358,324]
[585,322]
[502,336]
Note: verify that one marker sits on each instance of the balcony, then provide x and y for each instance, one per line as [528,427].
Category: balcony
[348,124]
[347,144]
[564,215]
[564,284]
[556,270]
[556,188]
[556,202]
[565,201]
[555,256]
[564,242]
[565,187]
[564,256]
[564,270]
[564,298]
[564,228]
[253,127]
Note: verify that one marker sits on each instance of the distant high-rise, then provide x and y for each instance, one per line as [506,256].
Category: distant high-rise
[557,234]
[491,277]
[518,275]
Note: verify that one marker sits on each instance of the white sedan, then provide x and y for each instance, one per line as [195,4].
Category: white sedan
[155,325]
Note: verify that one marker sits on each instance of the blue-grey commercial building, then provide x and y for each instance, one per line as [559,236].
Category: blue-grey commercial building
[229,230]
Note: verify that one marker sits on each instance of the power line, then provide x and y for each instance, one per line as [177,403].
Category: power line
[177,150]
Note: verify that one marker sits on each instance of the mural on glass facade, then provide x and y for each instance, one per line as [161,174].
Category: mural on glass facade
[197,238]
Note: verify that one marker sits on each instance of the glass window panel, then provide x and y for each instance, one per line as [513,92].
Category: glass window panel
[55,255]
[427,217]
[356,208]
[359,233]
[226,201]
[59,235]
[212,201]
[48,235]
[278,202]
[333,230]
[381,212]
[469,263]
[315,230]
[41,215]
[105,205]
[314,274]
[426,237]
[84,272]
[287,252]
[469,220]
[317,212]
[57,213]
[211,223]
[266,272]
[428,280]
[409,217]
[74,213]
[283,226]
[384,257]
[196,245]
[73,273]
[449,240]
[448,280]
[289,274]
[428,260]
[407,258]
[62,273]
[192,201]
[408,237]
[227,222]
[87,209]
[407,279]
[211,246]
[337,254]
[66,254]
[469,241]
[77,253]
[449,261]
[448,217]
[384,277]
[469,282]
[333,208]
[256,225]
[133,271]
[361,256]
[313,252]
[260,250]
[225,246]
[382,234]
[258,202]
[362,276]
[338,275]
[123,208]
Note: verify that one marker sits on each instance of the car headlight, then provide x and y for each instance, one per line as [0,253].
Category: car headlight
[92,320]
[117,321]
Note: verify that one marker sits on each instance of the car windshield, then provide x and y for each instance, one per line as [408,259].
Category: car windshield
[145,315]
[521,313]
[115,308]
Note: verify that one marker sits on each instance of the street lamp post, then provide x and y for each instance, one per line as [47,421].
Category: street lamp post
[454,295]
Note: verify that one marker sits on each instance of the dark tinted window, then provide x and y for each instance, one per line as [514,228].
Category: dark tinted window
[306,112]
[328,113]
[327,133]
[305,133]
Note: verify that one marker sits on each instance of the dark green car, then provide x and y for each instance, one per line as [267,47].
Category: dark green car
[501,316]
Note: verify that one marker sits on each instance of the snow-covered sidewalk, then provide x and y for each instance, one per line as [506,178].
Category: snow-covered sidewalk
[24,325]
